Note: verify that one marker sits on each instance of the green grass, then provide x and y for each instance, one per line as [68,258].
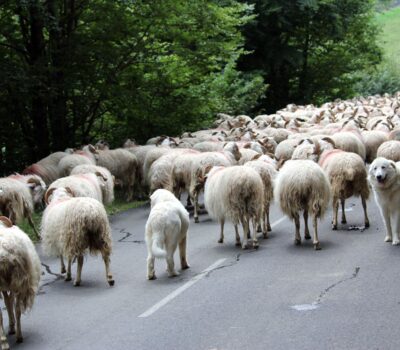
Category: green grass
[117,206]
[390,38]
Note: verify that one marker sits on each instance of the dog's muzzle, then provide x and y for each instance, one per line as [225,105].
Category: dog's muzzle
[380,179]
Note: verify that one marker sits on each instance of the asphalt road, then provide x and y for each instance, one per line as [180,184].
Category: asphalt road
[281,296]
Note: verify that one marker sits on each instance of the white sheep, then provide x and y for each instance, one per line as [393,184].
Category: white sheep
[166,228]
[235,194]
[302,185]
[350,142]
[372,140]
[84,156]
[19,276]
[35,184]
[73,226]
[105,177]
[389,150]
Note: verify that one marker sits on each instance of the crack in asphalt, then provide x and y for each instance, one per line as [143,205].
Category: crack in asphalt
[326,290]
[233,262]
[127,234]
[48,270]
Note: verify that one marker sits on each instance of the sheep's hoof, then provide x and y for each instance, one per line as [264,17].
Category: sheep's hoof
[344,221]
[396,242]
[334,227]
[67,279]
[269,229]
[248,236]
[4,345]
[196,220]
[220,240]
[11,330]
[317,246]
[111,282]
[245,246]
[238,244]
[256,245]
[151,277]
[20,340]
[367,224]
[297,241]
[173,274]
[388,239]
[185,266]
[63,270]
[77,283]
[307,236]
[259,228]
[265,235]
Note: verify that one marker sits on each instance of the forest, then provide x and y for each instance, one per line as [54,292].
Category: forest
[75,71]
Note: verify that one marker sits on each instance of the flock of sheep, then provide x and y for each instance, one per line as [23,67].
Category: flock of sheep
[303,156]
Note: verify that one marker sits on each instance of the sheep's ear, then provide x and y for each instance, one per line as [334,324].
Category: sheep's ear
[99,174]
[207,169]
[248,122]
[6,221]
[92,149]
[329,140]
[256,156]
[247,145]
[48,193]
[68,189]
[280,163]
[229,124]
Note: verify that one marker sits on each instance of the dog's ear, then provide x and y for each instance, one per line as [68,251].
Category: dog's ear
[392,164]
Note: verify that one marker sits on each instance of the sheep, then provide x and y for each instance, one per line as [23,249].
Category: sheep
[208,146]
[235,194]
[35,184]
[349,142]
[389,150]
[348,177]
[123,165]
[16,201]
[166,227]
[246,155]
[105,177]
[285,149]
[151,156]
[81,157]
[19,276]
[372,140]
[302,185]
[268,173]
[72,226]
[82,185]
[46,168]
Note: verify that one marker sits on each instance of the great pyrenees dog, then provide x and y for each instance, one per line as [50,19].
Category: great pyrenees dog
[166,227]
[384,176]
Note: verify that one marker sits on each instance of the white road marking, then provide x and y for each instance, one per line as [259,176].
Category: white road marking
[305,307]
[181,289]
[277,222]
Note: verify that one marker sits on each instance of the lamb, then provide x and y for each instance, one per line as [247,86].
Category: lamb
[105,177]
[389,150]
[16,201]
[19,276]
[71,227]
[235,194]
[166,227]
[348,177]
[268,173]
[47,168]
[302,185]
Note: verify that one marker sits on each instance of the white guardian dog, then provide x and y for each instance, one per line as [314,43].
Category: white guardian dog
[384,176]
[166,227]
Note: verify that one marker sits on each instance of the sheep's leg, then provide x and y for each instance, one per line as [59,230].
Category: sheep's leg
[18,316]
[106,259]
[255,241]
[316,241]
[297,238]
[3,339]
[9,301]
[246,232]
[268,221]
[344,221]
[306,230]
[62,264]
[237,236]
[182,254]
[188,202]
[386,217]
[335,206]
[196,208]
[79,271]
[68,276]
[221,234]
[151,275]
[171,266]
[364,205]
[33,225]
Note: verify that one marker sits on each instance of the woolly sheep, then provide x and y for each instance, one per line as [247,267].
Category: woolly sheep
[235,194]
[302,185]
[166,228]
[84,156]
[389,150]
[35,184]
[105,177]
[19,276]
[73,226]
[349,142]
[372,140]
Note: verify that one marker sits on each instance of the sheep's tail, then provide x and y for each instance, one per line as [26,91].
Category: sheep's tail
[158,247]
[350,173]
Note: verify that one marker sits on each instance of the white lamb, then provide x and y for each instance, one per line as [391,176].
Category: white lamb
[73,226]
[166,227]
[19,276]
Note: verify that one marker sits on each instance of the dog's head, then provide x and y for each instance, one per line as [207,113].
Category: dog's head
[382,172]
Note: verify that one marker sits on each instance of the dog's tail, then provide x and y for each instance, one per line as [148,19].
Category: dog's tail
[158,246]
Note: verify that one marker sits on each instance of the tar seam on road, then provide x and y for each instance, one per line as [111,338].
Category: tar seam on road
[181,289]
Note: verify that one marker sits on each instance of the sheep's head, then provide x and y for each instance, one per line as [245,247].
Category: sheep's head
[102,145]
[57,193]
[233,148]
[129,143]
[38,188]
[201,177]
[6,222]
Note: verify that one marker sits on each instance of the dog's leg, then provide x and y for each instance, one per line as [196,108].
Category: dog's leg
[316,240]
[297,237]
[221,234]
[171,265]
[151,275]
[182,254]
[386,218]
[344,221]
[364,204]
[335,205]
[306,230]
